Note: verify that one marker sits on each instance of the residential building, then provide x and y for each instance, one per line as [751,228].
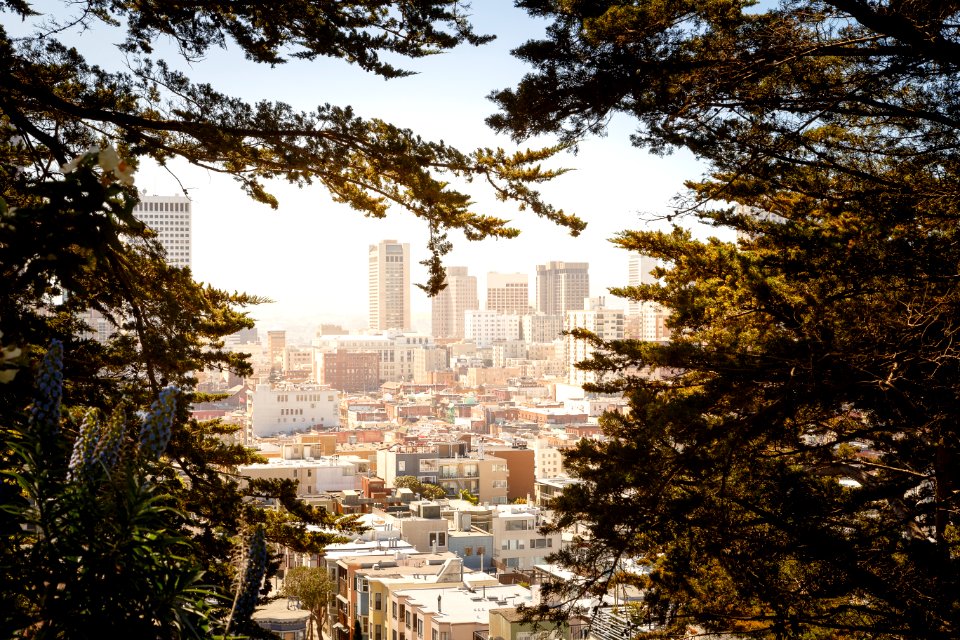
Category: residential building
[389,282]
[396,351]
[562,286]
[276,345]
[645,319]
[507,293]
[449,306]
[448,465]
[518,542]
[313,476]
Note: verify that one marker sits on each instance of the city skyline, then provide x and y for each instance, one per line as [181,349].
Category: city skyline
[309,256]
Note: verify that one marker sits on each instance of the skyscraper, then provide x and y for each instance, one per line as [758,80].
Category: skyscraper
[389,273]
[638,272]
[171,218]
[562,286]
[646,320]
[450,304]
[507,293]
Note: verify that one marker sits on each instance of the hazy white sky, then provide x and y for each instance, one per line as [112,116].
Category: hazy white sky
[310,256]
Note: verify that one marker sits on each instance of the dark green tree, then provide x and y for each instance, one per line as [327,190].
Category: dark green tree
[426,490]
[792,469]
[71,134]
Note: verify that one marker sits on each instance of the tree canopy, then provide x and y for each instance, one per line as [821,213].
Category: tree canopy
[58,104]
[72,134]
[792,470]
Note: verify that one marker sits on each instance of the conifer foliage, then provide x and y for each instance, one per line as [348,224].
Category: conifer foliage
[156,495]
[792,469]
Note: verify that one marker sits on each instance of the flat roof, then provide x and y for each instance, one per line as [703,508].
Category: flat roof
[459,605]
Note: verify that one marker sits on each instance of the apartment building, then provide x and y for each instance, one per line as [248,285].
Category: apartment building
[606,324]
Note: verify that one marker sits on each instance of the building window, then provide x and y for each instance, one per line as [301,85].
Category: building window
[377,601]
[439,538]
[393,607]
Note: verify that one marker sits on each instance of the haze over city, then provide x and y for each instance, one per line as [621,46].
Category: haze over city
[310,255]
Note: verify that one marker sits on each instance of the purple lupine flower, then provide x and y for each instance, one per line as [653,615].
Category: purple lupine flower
[111,437]
[45,412]
[82,459]
[253,575]
[157,426]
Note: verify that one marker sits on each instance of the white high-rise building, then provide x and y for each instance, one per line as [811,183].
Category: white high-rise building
[562,286]
[508,293]
[171,218]
[646,320]
[606,324]
[449,306]
[638,272]
[389,278]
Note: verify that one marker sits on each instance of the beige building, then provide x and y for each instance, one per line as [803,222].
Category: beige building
[562,286]
[508,293]
[389,281]
[518,543]
[449,306]
[396,351]
[448,466]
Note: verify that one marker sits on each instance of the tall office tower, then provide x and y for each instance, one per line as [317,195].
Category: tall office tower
[562,286]
[276,344]
[389,286]
[638,272]
[171,218]
[507,293]
[645,320]
[450,304]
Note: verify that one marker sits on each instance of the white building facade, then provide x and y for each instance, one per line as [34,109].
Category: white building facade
[607,324]
[290,408]
[487,327]
[171,217]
